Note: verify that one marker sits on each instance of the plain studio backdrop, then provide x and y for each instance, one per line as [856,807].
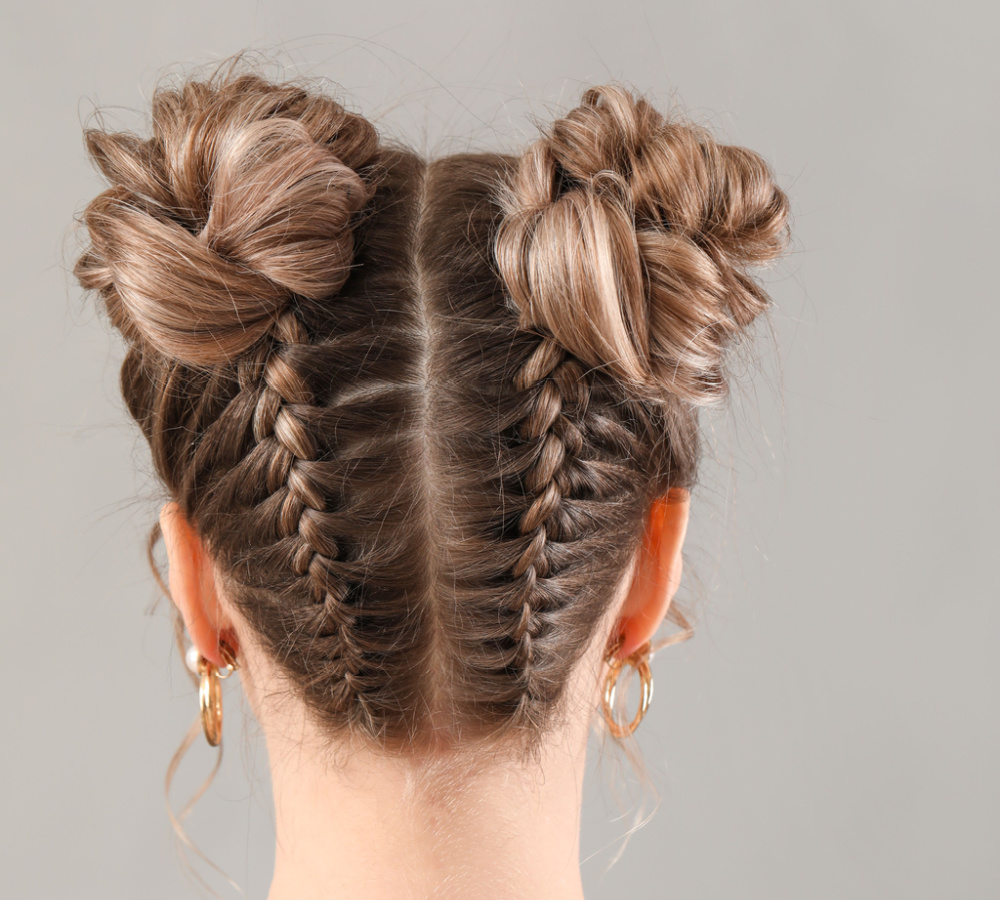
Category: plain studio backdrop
[832,729]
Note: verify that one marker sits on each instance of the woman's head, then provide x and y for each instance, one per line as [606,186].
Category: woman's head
[418,413]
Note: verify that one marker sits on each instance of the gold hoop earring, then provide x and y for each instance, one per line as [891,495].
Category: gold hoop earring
[210,692]
[639,660]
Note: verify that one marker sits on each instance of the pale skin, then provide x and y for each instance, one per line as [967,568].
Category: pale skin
[369,827]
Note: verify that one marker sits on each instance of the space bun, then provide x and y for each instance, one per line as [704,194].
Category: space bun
[627,238]
[244,198]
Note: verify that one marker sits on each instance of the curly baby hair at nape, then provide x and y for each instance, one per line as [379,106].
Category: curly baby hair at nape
[418,409]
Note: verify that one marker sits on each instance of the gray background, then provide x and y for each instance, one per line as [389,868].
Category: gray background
[832,730]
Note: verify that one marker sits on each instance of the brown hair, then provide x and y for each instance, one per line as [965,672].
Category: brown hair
[418,410]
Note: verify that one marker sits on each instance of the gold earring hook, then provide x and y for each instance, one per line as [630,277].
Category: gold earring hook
[210,691]
[638,660]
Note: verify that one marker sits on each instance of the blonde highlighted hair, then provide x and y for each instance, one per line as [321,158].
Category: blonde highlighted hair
[418,409]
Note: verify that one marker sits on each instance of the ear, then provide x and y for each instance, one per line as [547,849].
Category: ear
[657,572]
[192,586]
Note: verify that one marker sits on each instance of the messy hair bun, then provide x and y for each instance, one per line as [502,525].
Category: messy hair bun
[627,239]
[406,403]
[243,199]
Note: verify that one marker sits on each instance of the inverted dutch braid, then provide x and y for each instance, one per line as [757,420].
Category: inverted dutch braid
[622,245]
[243,202]
[297,502]
[555,440]
[557,437]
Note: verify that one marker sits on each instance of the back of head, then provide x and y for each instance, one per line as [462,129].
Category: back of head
[418,409]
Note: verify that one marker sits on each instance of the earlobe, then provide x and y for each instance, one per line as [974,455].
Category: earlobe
[192,584]
[657,572]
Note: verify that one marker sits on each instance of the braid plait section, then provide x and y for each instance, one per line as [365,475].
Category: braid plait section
[297,503]
[553,442]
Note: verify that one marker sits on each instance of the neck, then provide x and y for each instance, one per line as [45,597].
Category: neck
[375,828]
